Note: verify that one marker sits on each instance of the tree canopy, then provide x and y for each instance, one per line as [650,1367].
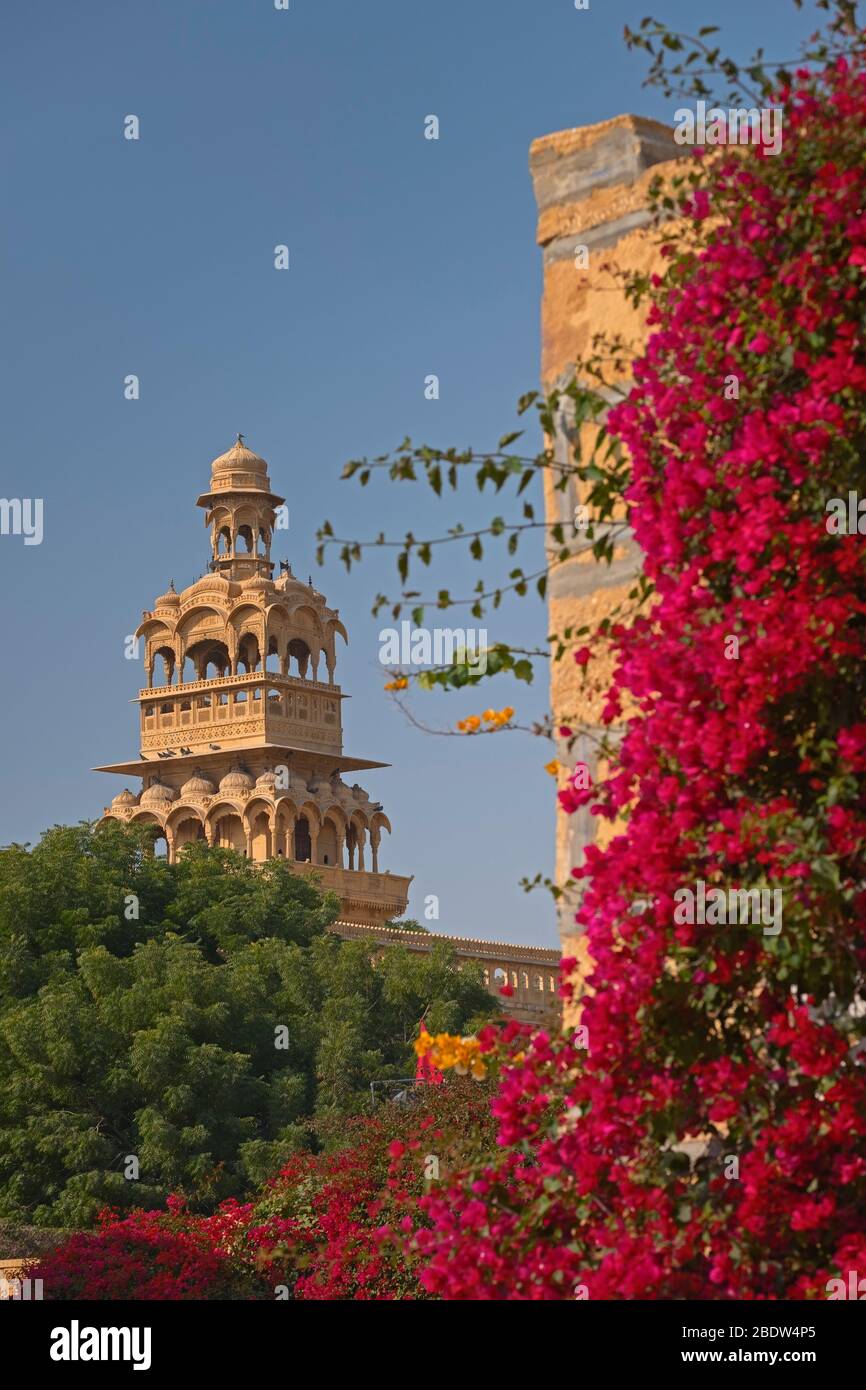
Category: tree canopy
[174,1027]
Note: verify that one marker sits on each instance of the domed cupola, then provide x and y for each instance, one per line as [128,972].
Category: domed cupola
[238,460]
[237,780]
[124,798]
[158,795]
[197,787]
[266,783]
[170,599]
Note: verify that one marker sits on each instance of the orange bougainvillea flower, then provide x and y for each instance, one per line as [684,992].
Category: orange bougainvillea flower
[400,683]
[496,718]
[447,1050]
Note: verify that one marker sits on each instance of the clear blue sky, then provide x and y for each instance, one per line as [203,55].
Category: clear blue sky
[408,257]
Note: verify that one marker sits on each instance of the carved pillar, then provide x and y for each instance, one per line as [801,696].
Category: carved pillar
[361,839]
[289,837]
[341,847]
[314,841]
[375,839]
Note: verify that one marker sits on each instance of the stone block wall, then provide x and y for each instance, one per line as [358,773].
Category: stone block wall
[591,186]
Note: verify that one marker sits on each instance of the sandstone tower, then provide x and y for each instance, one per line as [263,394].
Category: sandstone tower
[241,742]
[592,189]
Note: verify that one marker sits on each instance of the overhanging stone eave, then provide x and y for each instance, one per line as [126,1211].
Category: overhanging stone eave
[208,498]
[201,758]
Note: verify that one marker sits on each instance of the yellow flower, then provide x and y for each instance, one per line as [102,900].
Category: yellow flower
[469,726]
[552,767]
[399,684]
[447,1051]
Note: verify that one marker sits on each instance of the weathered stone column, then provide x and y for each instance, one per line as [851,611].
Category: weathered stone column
[591,185]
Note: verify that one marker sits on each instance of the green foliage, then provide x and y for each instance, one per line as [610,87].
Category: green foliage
[141,1008]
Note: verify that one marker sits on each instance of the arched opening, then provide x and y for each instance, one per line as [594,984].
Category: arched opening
[263,542]
[273,650]
[163,666]
[187,830]
[261,837]
[248,652]
[327,843]
[158,842]
[299,652]
[224,541]
[209,657]
[229,833]
[303,843]
[245,535]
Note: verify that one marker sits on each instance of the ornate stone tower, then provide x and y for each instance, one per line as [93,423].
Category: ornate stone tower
[245,749]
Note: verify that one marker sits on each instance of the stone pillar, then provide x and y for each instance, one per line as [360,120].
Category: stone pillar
[591,185]
[375,838]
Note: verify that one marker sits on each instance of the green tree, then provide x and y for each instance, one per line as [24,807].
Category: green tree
[184,1021]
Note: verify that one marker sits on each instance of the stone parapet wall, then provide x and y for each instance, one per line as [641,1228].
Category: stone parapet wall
[531,971]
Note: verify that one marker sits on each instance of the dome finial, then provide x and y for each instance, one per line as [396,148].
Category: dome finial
[240,439]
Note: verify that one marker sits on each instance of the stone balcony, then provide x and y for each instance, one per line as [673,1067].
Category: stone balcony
[235,709]
[366,898]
